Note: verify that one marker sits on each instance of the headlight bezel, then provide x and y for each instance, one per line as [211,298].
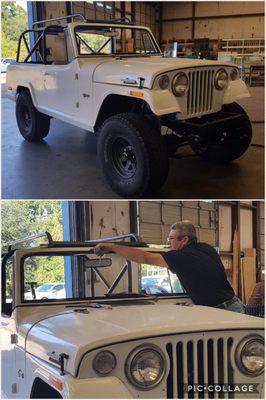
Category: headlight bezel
[95,360]
[166,86]
[181,73]
[221,70]
[238,355]
[138,351]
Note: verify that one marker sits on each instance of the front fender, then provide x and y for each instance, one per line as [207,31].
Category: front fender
[236,90]
[97,388]
[161,102]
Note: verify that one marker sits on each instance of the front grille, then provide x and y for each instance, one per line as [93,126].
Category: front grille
[200,93]
[204,361]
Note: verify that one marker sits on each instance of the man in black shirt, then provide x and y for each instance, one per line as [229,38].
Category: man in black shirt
[197,265]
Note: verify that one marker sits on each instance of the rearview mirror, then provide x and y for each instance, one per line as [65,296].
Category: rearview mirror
[110,33]
[98,262]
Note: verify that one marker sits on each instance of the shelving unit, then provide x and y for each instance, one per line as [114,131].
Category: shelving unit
[243,46]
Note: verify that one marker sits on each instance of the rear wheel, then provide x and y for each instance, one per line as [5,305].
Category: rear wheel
[226,144]
[133,155]
[32,124]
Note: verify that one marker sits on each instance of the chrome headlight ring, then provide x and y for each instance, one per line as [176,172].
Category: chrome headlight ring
[247,351]
[221,79]
[145,367]
[180,84]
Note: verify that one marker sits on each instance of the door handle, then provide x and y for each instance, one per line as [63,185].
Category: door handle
[47,74]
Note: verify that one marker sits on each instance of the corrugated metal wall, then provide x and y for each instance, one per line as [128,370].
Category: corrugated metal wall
[156,218]
[240,26]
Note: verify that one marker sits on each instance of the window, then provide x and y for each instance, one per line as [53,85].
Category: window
[155,280]
[114,40]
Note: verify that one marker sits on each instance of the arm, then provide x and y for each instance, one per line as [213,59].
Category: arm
[131,254]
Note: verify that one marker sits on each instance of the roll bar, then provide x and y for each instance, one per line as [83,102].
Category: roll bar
[59,18]
[116,20]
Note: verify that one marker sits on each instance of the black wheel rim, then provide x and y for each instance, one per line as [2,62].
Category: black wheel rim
[124,158]
[26,117]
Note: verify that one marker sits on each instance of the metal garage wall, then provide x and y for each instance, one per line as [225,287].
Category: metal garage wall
[261,229]
[224,19]
[109,218]
[156,217]
[142,13]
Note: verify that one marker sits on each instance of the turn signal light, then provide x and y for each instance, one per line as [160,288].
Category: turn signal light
[135,93]
[56,383]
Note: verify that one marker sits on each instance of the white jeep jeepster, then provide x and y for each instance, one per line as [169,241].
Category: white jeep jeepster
[111,78]
[107,338]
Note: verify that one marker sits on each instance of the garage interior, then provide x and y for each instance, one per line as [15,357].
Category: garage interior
[235,229]
[65,165]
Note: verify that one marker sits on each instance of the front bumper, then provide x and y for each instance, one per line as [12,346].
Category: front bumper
[206,126]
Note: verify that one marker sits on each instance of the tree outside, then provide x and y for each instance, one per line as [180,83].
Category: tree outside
[21,219]
[14,22]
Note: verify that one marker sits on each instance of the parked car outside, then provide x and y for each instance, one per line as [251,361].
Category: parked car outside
[5,62]
[55,290]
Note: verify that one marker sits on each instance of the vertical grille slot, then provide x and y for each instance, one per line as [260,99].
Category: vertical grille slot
[205,361]
[179,358]
[200,93]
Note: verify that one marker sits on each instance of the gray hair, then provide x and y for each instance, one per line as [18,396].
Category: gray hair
[185,228]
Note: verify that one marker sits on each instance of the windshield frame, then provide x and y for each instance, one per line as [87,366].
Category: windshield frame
[72,252]
[125,27]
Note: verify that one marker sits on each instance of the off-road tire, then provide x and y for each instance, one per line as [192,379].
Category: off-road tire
[133,155]
[230,144]
[32,124]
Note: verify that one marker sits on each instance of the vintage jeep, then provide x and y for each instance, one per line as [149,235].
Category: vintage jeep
[110,77]
[111,340]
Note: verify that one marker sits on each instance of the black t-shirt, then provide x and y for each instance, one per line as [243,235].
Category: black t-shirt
[201,273]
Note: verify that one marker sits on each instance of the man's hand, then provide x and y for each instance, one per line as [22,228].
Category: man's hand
[102,248]
[131,254]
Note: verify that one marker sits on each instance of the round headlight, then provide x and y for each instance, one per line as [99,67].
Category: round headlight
[145,368]
[250,357]
[180,84]
[234,74]
[104,362]
[164,81]
[221,79]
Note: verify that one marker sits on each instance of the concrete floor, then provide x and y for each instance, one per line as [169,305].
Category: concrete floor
[65,164]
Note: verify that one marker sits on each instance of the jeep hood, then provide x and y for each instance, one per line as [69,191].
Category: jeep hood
[115,71]
[75,333]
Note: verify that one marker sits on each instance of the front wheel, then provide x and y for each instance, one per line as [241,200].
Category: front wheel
[226,144]
[133,155]
[32,124]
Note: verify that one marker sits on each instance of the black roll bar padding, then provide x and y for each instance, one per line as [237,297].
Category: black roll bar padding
[36,44]
[103,279]
[6,307]
[115,237]
[59,18]
[118,278]
[112,20]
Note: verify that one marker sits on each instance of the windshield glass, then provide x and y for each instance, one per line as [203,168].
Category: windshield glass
[44,287]
[114,40]
[44,278]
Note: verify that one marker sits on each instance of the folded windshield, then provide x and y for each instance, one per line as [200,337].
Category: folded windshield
[114,41]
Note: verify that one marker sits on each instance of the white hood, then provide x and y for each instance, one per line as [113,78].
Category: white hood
[76,333]
[114,71]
